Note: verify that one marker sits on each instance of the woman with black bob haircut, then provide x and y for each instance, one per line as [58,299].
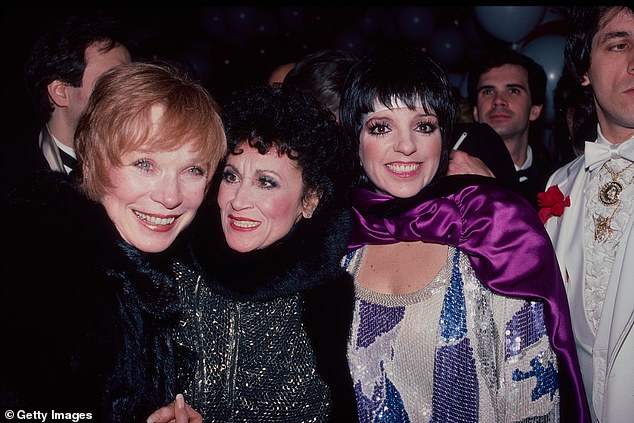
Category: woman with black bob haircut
[460,311]
[267,305]
[430,86]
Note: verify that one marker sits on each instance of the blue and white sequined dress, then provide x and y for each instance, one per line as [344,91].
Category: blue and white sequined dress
[451,352]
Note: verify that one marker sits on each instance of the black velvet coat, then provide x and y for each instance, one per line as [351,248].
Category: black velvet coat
[86,318]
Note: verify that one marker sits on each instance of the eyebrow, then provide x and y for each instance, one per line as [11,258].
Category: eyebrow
[378,115]
[488,86]
[267,172]
[257,171]
[612,35]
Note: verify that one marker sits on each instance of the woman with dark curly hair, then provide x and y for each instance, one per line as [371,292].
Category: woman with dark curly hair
[268,307]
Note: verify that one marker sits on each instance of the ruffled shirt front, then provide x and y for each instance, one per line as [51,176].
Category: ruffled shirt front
[603,226]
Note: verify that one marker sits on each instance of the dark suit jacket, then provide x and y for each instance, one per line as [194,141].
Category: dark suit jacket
[484,143]
[22,157]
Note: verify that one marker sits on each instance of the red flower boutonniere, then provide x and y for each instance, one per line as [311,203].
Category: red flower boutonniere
[551,203]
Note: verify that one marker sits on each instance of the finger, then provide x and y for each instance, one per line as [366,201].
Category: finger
[194,416]
[163,415]
[184,413]
[180,412]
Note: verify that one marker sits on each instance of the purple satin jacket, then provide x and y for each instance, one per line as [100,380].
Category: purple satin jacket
[508,247]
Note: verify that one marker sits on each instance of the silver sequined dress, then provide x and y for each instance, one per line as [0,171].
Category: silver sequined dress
[451,352]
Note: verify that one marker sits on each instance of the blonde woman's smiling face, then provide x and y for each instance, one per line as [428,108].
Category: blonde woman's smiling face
[156,194]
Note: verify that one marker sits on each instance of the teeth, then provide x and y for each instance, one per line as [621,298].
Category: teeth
[403,168]
[152,220]
[245,223]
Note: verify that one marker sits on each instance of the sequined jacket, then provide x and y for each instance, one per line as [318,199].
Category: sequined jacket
[453,351]
[86,318]
[269,328]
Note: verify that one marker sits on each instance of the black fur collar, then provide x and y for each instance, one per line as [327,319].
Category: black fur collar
[304,259]
[64,220]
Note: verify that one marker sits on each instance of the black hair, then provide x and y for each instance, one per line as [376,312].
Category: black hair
[537,79]
[323,74]
[584,23]
[294,123]
[404,73]
[572,100]
[59,53]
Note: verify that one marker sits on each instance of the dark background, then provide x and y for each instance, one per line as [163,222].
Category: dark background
[229,46]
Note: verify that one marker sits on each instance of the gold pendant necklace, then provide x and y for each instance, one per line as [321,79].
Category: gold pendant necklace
[609,195]
[610,191]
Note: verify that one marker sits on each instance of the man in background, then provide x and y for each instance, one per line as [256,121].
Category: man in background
[60,72]
[507,91]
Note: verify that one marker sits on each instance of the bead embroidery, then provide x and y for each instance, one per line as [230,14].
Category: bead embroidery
[467,374]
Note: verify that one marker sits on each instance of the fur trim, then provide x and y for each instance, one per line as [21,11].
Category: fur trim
[109,306]
[307,257]
[81,227]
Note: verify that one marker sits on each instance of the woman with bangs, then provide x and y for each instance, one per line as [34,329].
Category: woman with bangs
[460,310]
[88,326]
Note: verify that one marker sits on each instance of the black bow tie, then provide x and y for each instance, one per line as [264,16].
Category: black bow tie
[68,160]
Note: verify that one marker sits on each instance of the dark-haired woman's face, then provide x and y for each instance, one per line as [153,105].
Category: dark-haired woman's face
[400,150]
[260,198]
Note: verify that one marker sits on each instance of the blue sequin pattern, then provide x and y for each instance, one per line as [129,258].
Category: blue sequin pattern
[455,379]
[451,352]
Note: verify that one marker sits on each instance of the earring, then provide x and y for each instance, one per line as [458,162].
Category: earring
[308,215]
